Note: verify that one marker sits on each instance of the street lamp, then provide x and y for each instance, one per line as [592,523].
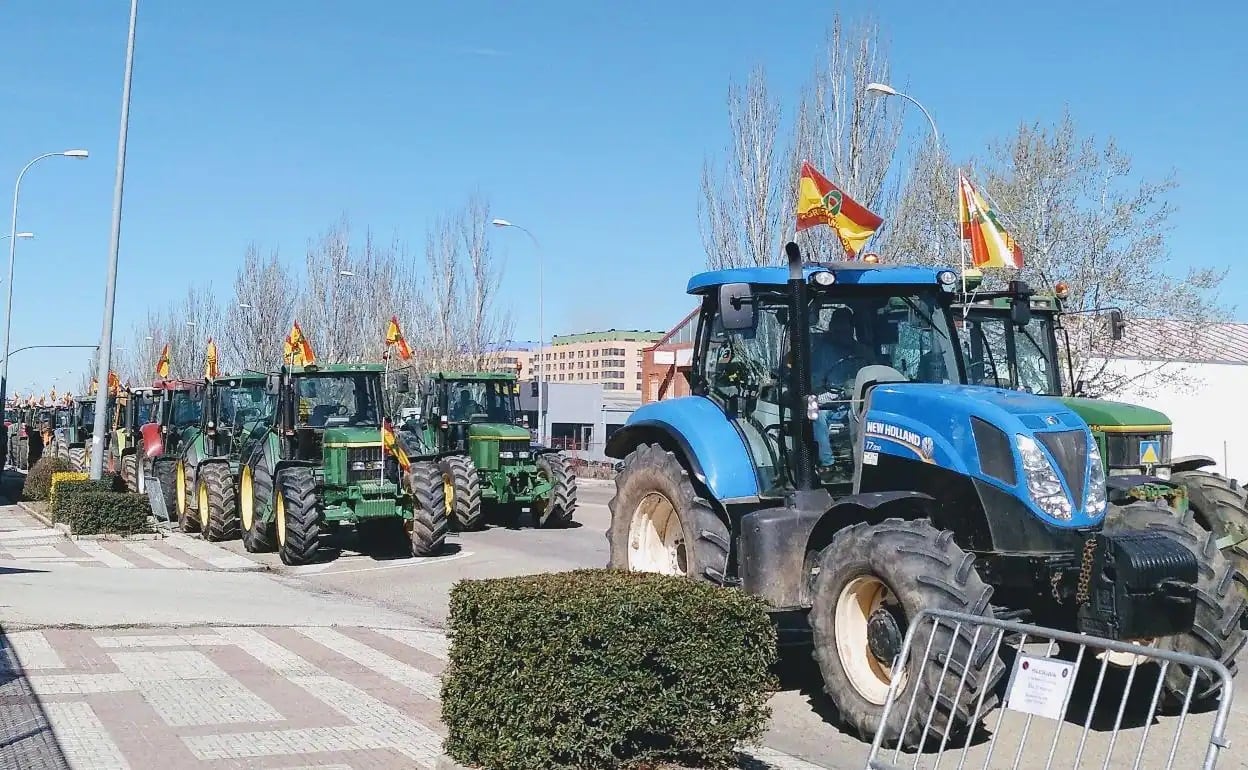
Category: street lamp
[14,235]
[27,236]
[541,333]
[244,306]
[887,90]
[345,273]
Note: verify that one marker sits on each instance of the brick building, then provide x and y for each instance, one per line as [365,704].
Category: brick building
[665,364]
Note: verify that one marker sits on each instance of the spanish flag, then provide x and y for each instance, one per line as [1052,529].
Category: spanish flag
[991,245]
[210,362]
[394,337]
[114,382]
[819,202]
[392,445]
[162,366]
[297,350]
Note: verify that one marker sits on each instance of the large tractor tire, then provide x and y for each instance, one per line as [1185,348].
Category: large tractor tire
[660,524]
[429,516]
[1219,604]
[188,519]
[463,493]
[78,459]
[558,508]
[1221,507]
[255,489]
[166,472]
[130,472]
[216,504]
[298,517]
[869,584]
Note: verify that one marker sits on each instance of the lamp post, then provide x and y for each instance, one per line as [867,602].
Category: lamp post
[887,90]
[541,333]
[13,237]
[26,236]
[105,362]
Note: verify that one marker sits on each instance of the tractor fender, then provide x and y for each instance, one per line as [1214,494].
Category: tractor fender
[1191,463]
[701,436]
[153,441]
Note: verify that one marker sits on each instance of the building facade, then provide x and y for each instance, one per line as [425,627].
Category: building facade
[665,364]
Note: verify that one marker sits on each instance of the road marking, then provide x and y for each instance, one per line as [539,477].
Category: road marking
[78,684]
[166,666]
[203,702]
[433,643]
[318,569]
[83,737]
[102,554]
[207,552]
[161,640]
[151,554]
[36,553]
[33,650]
[411,677]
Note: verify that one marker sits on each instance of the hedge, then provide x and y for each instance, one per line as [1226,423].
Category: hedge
[604,669]
[64,492]
[59,478]
[39,480]
[95,512]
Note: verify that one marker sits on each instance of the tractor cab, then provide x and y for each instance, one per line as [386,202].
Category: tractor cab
[177,413]
[461,410]
[232,406]
[319,408]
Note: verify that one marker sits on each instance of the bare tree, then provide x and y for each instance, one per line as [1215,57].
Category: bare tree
[924,226]
[256,322]
[487,322]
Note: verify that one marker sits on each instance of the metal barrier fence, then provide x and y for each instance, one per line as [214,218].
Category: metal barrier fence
[1042,685]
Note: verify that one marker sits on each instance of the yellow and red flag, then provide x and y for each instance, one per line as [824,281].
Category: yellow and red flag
[392,445]
[395,338]
[991,245]
[297,350]
[162,365]
[819,202]
[114,382]
[210,361]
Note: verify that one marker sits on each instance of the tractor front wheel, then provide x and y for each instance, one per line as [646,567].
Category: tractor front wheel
[869,584]
[1216,632]
[217,506]
[462,489]
[297,511]
[660,524]
[1221,507]
[558,508]
[255,485]
[429,515]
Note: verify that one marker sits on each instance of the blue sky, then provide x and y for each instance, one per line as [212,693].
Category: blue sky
[587,122]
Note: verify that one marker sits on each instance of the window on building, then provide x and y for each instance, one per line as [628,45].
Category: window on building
[639,387]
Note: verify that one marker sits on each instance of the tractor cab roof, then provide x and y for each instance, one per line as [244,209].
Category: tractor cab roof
[852,273]
[473,376]
[314,369]
[1003,303]
[177,385]
[238,380]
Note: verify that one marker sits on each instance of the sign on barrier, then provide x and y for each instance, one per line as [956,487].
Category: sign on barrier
[1070,701]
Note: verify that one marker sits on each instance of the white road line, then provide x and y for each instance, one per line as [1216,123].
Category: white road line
[320,569]
[161,640]
[36,552]
[207,552]
[152,555]
[433,643]
[102,554]
[411,677]
[83,737]
[33,650]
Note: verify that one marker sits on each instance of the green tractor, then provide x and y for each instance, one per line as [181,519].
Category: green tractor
[72,439]
[471,423]
[134,408]
[176,424]
[1011,338]
[320,460]
[206,471]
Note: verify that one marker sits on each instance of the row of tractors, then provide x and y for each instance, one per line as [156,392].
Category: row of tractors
[845,457]
[284,459]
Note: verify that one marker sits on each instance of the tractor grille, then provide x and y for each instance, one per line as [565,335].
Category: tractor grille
[1070,449]
[1123,449]
[370,456]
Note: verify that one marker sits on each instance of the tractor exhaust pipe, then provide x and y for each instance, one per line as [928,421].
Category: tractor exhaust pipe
[799,373]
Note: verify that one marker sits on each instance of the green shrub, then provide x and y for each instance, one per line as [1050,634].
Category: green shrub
[65,490]
[39,480]
[604,669]
[96,512]
[57,479]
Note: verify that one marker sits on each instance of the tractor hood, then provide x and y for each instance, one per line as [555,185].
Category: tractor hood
[498,430]
[354,436]
[1099,414]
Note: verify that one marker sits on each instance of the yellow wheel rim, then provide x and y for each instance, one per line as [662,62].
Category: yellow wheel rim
[448,491]
[203,505]
[279,509]
[245,500]
[181,486]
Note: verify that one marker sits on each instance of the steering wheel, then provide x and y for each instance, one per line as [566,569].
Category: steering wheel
[341,410]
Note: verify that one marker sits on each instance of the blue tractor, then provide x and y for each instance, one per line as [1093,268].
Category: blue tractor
[832,462]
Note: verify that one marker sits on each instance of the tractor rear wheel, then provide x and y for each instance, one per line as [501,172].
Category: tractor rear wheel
[869,583]
[429,520]
[557,509]
[1219,604]
[660,524]
[298,515]
[188,521]
[463,491]
[166,472]
[255,487]
[1221,507]
[78,459]
[217,507]
[130,472]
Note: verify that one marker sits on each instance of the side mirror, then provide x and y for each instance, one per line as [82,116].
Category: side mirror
[736,307]
[402,383]
[1020,311]
[272,384]
[1117,325]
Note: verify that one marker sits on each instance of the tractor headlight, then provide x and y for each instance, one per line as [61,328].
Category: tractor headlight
[947,279]
[823,278]
[507,455]
[359,465]
[1042,481]
[1094,499]
[522,455]
[1162,472]
[376,465]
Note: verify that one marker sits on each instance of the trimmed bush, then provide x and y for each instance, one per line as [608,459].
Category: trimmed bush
[97,512]
[59,478]
[64,492]
[604,669]
[39,480]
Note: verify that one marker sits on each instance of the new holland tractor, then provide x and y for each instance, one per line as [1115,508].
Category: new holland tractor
[206,472]
[319,461]
[1011,341]
[135,408]
[832,463]
[472,424]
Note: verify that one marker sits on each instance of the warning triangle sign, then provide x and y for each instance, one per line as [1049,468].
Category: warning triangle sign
[1150,453]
